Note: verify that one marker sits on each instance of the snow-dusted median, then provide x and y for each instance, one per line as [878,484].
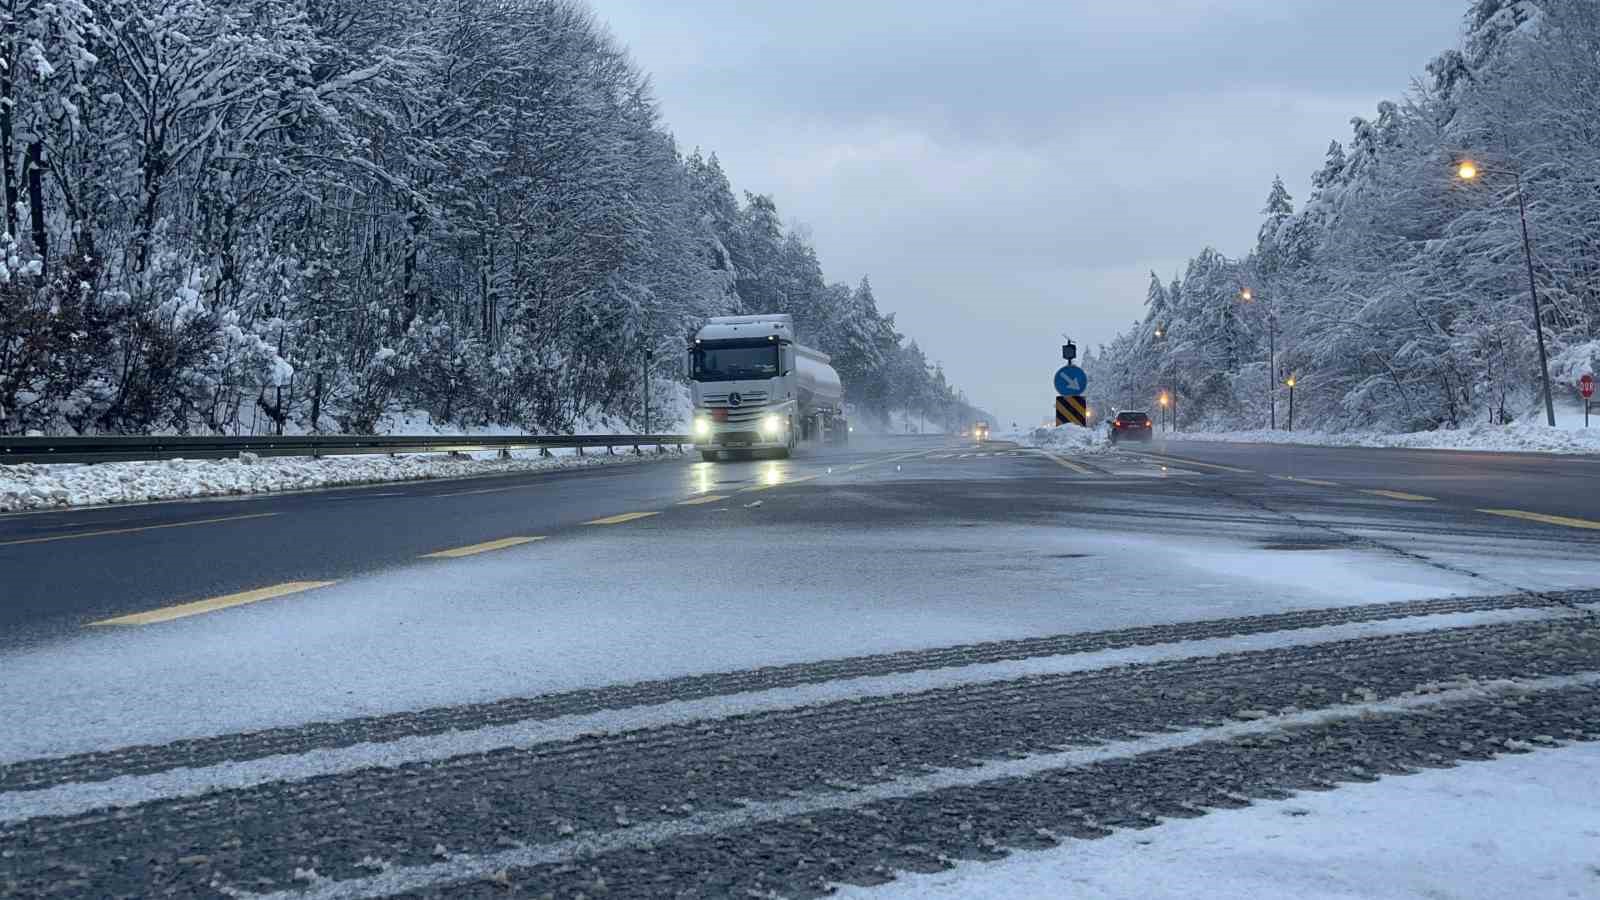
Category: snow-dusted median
[30,487]
[1062,439]
[1521,437]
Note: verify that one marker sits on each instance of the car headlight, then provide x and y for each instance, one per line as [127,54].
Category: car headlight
[771,424]
[702,427]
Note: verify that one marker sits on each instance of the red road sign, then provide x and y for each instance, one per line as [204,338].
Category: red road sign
[1586,386]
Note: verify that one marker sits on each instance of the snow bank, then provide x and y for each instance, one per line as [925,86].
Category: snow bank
[1518,437]
[28,487]
[1063,438]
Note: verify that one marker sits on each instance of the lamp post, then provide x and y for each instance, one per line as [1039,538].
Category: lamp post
[1469,171]
[1290,382]
[1163,401]
[1249,296]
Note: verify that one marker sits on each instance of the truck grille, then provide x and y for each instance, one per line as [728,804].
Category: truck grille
[748,412]
[747,398]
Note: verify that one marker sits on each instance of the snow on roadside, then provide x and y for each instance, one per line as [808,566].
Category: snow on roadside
[31,487]
[1524,437]
[1517,826]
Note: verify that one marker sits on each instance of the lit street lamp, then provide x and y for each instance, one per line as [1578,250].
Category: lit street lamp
[1469,171]
[1247,296]
[1290,382]
[1164,401]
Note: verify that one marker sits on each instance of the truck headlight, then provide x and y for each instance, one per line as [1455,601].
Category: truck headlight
[702,427]
[771,425]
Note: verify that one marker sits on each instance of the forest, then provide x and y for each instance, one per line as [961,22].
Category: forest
[256,216]
[1398,295]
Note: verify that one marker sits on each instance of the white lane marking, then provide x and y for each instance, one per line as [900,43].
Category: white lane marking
[472,867]
[129,790]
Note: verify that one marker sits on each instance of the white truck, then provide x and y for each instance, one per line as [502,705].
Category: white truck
[757,390]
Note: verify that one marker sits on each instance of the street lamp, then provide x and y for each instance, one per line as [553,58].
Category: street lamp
[1290,382]
[1469,171]
[1248,296]
[1163,401]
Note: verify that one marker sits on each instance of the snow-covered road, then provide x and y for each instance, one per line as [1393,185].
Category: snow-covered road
[675,669]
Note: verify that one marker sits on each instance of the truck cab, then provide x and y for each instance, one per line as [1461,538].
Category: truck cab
[757,390]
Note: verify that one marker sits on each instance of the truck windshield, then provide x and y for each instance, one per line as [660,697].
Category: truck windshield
[734,363]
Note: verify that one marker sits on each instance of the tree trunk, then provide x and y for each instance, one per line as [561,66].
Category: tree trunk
[316,404]
[41,236]
[8,112]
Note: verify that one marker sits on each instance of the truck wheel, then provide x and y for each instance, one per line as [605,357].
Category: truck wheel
[709,455]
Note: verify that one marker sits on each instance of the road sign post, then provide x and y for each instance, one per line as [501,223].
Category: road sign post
[1586,388]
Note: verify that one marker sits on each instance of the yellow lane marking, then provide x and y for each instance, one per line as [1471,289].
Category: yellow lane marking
[1066,463]
[1546,519]
[106,531]
[167,614]
[485,547]
[625,517]
[1397,495]
[1194,462]
[709,498]
[498,490]
[1314,481]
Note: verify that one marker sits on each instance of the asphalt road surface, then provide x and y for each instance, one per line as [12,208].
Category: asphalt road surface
[759,678]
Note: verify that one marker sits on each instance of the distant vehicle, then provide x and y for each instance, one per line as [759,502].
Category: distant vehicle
[1132,426]
[980,431]
[756,389]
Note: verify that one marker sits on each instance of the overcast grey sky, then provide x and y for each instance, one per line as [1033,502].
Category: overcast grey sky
[1009,170]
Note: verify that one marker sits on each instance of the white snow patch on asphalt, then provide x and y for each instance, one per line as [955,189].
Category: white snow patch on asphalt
[1516,826]
[1520,437]
[129,790]
[29,486]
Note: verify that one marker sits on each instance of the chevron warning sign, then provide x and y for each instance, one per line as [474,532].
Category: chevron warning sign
[1072,409]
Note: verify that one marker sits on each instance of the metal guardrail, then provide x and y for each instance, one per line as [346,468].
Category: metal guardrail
[117,448]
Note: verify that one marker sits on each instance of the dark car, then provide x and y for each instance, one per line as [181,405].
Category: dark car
[1132,426]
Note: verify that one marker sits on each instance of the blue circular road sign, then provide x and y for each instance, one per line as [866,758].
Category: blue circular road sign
[1071,381]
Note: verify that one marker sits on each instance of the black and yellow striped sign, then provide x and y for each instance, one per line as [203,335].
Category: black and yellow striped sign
[1072,409]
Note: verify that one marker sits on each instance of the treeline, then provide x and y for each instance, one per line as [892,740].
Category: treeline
[243,215]
[1398,296]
